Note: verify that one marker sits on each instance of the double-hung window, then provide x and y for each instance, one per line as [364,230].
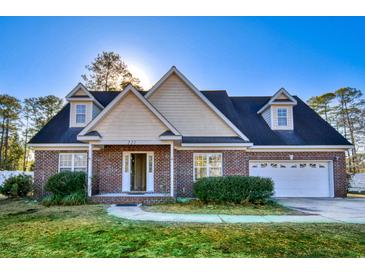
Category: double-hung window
[207,165]
[80,114]
[282,117]
[73,162]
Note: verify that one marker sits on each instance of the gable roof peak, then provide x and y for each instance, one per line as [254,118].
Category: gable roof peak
[129,88]
[291,100]
[70,96]
[172,70]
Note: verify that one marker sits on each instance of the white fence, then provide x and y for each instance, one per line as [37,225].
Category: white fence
[6,174]
[357,182]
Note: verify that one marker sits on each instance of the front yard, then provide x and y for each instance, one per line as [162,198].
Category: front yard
[200,208]
[31,230]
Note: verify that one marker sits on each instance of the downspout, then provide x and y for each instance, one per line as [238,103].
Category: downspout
[90,170]
[172,169]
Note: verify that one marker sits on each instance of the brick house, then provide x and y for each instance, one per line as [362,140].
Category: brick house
[151,146]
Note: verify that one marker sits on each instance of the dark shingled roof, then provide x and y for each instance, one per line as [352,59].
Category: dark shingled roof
[93,133]
[309,127]
[104,97]
[167,133]
[57,130]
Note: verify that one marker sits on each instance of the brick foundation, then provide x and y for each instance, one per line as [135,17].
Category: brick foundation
[107,169]
[131,200]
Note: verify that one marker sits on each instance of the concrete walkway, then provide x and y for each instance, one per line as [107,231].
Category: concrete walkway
[138,214]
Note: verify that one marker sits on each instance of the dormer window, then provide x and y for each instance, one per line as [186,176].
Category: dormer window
[282,117]
[80,114]
[278,111]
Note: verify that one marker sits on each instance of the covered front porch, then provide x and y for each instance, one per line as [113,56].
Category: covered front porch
[130,173]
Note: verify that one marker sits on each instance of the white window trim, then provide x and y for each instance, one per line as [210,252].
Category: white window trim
[289,113]
[286,116]
[76,113]
[208,155]
[72,161]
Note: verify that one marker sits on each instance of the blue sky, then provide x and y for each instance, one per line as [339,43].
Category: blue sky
[244,55]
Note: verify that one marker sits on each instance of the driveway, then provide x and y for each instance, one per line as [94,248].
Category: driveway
[349,210]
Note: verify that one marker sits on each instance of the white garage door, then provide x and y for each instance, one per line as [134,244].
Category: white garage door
[296,179]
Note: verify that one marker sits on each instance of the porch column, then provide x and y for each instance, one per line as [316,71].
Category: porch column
[172,169]
[90,170]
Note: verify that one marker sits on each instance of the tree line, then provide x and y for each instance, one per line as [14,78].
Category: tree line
[20,120]
[344,109]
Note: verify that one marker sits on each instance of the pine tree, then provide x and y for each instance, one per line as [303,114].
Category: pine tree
[109,73]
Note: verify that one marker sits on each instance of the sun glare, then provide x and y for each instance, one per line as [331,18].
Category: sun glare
[138,72]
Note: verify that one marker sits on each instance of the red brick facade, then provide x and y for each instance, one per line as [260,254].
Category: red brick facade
[237,163]
[107,169]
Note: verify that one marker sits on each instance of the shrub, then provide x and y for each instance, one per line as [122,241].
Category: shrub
[17,186]
[66,183]
[67,188]
[234,189]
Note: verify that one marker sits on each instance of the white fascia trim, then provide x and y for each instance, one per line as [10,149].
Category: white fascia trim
[88,138]
[131,142]
[212,148]
[84,89]
[299,148]
[170,138]
[120,96]
[271,101]
[172,70]
[58,145]
[217,145]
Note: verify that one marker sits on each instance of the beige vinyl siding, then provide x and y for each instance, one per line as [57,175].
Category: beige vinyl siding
[130,119]
[267,116]
[80,92]
[89,113]
[282,96]
[274,114]
[186,111]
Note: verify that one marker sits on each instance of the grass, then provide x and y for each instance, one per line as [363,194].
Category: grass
[200,208]
[28,229]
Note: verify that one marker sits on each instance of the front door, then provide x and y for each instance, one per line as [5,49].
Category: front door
[138,171]
[138,175]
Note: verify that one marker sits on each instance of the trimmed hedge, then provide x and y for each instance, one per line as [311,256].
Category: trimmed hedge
[17,186]
[67,188]
[234,189]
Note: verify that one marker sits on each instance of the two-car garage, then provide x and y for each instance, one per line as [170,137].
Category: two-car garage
[297,178]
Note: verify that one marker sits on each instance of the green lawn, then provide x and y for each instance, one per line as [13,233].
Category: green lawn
[200,208]
[30,230]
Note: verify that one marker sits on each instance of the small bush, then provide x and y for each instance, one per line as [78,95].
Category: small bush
[17,186]
[66,183]
[234,189]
